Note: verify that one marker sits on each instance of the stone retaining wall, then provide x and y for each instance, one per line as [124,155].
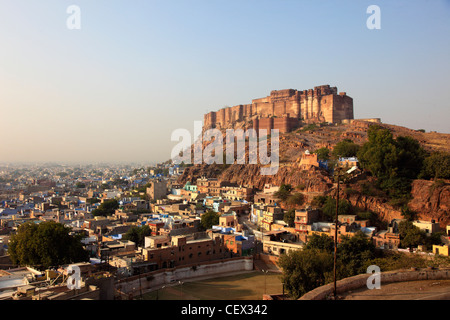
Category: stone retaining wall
[360,281]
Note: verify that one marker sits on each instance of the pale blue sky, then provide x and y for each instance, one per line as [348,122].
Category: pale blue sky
[137,70]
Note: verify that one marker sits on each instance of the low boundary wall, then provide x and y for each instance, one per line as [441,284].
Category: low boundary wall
[153,280]
[360,281]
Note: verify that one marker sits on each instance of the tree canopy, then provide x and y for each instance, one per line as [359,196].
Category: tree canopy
[412,236]
[321,242]
[386,157]
[137,234]
[285,195]
[209,219]
[436,166]
[46,244]
[394,161]
[283,192]
[323,153]
[289,217]
[106,208]
[345,148]
[304,270]
[328,207]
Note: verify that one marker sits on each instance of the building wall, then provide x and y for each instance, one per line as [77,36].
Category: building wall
[183,252]
[278,248]
[442,250]
[157,190]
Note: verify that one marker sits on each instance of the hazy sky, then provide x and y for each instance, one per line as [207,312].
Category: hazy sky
[115,89]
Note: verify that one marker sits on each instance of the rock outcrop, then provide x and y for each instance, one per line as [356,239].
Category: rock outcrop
[431,200]
[314,180]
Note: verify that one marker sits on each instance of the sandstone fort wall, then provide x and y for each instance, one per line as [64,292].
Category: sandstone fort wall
[285,110]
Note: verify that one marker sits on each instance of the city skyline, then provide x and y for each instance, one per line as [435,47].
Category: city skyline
[115,89]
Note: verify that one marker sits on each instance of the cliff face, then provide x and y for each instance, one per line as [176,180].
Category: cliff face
[431,200]
[315,180]
[384,210]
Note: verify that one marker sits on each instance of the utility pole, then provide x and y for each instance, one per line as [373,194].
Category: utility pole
[336,233]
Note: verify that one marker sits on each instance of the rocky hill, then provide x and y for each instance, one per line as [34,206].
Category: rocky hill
[430,200]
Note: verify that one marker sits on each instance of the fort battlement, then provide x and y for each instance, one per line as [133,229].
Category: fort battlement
[285,110]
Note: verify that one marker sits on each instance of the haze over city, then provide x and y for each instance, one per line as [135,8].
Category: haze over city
[117,88]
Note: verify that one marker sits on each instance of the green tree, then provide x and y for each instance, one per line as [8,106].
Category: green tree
[345,148]
[296,199]
[304,270]
[46,244]
[323,153]
[408,214]
[329,207]
[137,234]
[93,200]
[393,161]
[410,235]
[378,155]
[209,219]
[436,166]
[283,192]
[353,254]
[320,242]
[318,201]
[106,208]
[289,217]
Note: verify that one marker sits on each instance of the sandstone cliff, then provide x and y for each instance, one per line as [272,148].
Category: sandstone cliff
[431,200]
[315,180]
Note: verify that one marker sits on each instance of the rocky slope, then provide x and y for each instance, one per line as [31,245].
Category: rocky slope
[429,200]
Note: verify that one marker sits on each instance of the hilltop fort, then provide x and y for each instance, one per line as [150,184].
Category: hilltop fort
[285,110]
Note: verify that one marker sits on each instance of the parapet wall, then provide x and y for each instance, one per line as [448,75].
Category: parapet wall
[360,281]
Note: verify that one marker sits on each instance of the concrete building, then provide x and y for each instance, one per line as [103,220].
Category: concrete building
[182,250]
[157,189]
[441,250]
[428,226]
[304,218]
[266,215]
